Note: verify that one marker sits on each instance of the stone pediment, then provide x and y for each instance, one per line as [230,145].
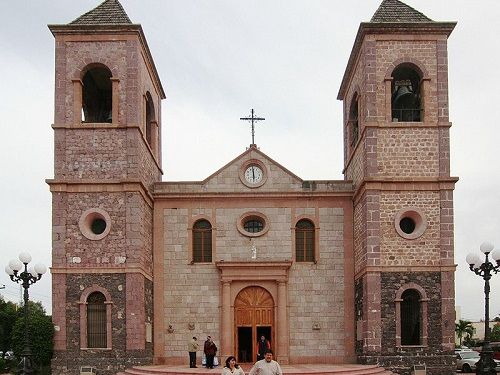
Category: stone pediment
[256,271]
[252,172]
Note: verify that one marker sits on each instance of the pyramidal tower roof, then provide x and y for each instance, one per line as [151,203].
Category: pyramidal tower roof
[110,12]
[396,11]
[396,18]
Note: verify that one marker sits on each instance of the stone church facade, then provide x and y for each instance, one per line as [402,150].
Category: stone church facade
[357,270]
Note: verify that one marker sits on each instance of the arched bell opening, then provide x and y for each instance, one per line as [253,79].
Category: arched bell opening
[406,99]
[150,118]
[97,95]
[354,121]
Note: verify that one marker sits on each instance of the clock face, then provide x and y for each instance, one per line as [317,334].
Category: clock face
[254,174]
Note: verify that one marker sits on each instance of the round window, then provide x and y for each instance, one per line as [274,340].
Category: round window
[253,224]
[407,225]
[95,224]
[410,223]
[98,226]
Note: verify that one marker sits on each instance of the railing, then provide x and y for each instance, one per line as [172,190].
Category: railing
[407,115]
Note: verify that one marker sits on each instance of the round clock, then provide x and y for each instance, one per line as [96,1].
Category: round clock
[253,174]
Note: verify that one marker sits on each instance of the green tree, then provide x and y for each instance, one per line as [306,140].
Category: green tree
[495,333]
[8,314]
[464,327]
[40,330]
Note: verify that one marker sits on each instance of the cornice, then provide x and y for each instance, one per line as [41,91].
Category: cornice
[100,270]
[405,184]
[253,195]
[254,270]
[100,186]
[394,269]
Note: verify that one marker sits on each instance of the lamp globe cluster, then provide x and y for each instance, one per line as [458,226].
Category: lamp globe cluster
[486,269]
[20,273]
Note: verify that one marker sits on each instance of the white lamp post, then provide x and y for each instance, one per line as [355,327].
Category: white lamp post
[25,278]
[486,365]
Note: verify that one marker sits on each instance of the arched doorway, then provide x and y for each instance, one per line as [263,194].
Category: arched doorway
[254,317]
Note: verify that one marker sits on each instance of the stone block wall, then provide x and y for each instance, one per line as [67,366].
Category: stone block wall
[400,359]
[191,292]
[107,361]
[139,232]
[316,296]
[92,154]
[399,251]
[406,152]
[359,228]
[82,252]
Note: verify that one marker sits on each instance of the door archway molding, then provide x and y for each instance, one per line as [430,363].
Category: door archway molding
[272,276]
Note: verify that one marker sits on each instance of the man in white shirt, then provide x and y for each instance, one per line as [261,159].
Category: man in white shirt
[266,366]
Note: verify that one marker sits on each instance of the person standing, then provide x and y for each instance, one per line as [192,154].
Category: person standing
[232,368]
[210,349]
[192,348]
[262,345]
[266,366]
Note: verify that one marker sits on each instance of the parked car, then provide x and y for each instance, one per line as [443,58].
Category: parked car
[462,349]
[495,346]
[466,360]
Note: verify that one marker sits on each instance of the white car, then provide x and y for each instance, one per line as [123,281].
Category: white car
[466,360]
[462,349]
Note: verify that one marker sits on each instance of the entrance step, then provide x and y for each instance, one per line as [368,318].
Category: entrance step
[306,369]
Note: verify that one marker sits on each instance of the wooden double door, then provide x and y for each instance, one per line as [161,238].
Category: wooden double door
[254,317]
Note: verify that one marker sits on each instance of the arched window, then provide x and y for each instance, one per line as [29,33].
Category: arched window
[354,121]
[202,241]
[411,318]
[406,100]
[97,95]
[96,321]
[150,118]
[304,241]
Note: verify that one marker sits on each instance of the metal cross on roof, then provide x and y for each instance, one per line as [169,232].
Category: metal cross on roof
[252,118]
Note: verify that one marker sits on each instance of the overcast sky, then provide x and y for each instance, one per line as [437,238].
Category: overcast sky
[219,59]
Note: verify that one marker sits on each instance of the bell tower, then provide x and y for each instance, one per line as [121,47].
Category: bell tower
[397,153]
[107,156]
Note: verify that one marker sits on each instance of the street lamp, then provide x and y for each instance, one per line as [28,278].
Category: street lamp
[25,277]
[486,365]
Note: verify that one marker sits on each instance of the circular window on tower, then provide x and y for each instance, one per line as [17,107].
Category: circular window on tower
[410,223]
[253,224]
[95,224]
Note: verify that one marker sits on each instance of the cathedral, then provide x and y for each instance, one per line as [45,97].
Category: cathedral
[359,270]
